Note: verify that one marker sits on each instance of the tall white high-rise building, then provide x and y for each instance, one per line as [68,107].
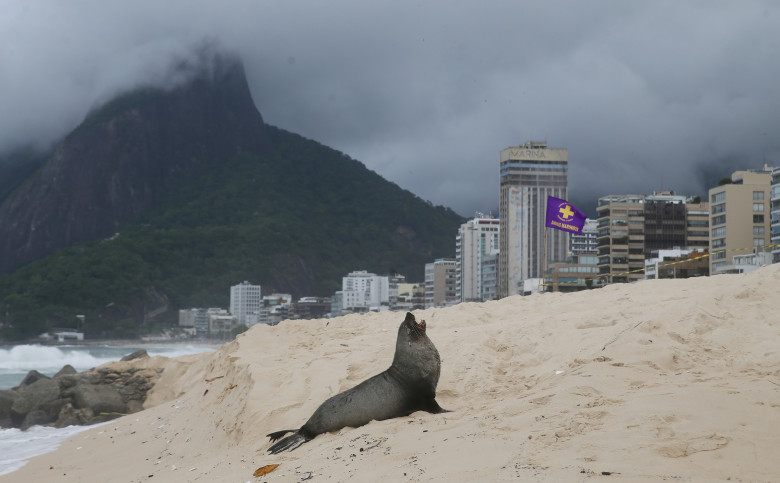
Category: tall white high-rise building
[476,241]
[245,302]
[529,173]
[363,291]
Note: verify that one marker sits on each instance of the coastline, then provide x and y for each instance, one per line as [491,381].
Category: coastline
[17,360]
[16,446]
[116,342]
[661,380]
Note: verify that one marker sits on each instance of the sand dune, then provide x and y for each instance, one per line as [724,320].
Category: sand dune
[670,379]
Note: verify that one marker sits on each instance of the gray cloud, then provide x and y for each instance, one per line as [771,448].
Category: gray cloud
[644,95]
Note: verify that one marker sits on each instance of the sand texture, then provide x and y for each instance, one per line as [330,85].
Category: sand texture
[675,380]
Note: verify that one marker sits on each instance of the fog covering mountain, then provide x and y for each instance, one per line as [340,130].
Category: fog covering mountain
[163,198]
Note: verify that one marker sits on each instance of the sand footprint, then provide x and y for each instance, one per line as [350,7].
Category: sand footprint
[710,442]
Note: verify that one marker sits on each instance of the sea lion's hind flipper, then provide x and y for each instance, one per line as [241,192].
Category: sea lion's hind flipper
[288,443]
[278,434]
[431,406]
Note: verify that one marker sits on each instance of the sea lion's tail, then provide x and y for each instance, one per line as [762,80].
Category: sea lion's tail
[288,443]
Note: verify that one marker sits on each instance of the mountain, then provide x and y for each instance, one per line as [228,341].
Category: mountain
[119,162]
[163,199]
[16,166]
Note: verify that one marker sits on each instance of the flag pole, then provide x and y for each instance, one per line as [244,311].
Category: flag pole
[544,260]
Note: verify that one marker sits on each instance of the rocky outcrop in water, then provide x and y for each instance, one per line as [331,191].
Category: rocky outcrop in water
[72,398]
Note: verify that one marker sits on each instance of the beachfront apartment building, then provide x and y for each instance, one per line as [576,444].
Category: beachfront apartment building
[275,308]
[411,296]
[362,291]
[621,237]
[245,302]
[476,247]
[221,325]
[587,242]
[740,218]
[528,174]
[774,222]
[631,227]
[440,283]
[490,277]
[199,319]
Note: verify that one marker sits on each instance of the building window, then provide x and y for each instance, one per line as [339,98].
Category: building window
[719,232]
[720,242]
[718,208]
[756,219]
[719,255]
[721,219]
[757,242]
[758,230]
[759,207]
[758,196]
[718,197]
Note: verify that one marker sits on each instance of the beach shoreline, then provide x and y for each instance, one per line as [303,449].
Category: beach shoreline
[660,380]
[115,342]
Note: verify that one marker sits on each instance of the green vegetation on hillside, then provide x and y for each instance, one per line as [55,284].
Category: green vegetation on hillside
[295,220]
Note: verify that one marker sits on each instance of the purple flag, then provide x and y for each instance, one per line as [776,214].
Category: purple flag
[564,216]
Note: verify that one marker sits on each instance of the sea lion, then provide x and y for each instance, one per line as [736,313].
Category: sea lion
[409,385]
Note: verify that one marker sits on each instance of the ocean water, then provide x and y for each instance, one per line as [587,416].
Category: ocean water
[16,361]
[16,447]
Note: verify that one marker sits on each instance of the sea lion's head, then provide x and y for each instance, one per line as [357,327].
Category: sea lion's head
[412,327]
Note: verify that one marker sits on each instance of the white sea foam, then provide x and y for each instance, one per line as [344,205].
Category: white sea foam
[17,447]
[16,361]
[46,358]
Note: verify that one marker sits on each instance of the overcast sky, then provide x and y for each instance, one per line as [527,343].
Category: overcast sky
[645,95]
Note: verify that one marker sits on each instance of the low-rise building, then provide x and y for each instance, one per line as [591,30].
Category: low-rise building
[406,301]
[198,318]
[677,263]
[747,262]
[578,273]
[221,325]
[275,308]
[312,307]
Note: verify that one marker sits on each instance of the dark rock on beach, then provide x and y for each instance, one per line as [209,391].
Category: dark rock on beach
[139,354]
[73,398]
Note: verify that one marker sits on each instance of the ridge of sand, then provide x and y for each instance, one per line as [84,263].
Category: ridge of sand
[667,379]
